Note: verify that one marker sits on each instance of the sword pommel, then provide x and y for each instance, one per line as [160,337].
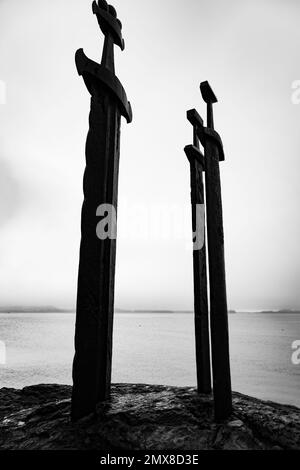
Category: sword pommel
[194,118]
[207,93]
[108,22]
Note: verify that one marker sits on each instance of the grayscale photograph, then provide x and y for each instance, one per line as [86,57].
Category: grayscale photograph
[149,230]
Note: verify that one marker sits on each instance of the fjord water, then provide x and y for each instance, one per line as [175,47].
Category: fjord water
[156,348]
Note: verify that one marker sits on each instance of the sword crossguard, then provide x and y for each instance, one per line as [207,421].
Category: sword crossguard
[206,133]
[193,153]
[91,71]
[196,120]
[203,134]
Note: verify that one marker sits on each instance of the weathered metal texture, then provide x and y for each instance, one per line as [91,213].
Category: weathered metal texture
[218,299]
[203,366]
[95,293]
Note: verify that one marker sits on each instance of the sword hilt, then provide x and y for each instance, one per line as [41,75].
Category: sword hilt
[111,28]
[193,151]
[209,97]
[108,21]
[196,120]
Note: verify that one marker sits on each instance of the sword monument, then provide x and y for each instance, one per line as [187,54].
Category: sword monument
[95,293]
[209,163]
[197,167]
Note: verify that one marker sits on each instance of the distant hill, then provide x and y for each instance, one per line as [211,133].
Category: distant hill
[52,309]
[119,310]
[286,310]
[33,309]
[122,310]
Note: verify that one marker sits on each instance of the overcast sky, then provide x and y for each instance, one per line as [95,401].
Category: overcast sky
[249,52]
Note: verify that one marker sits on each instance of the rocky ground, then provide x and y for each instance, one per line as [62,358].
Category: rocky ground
[142,417]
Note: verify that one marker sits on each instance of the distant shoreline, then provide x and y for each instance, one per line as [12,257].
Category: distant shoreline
[42,310]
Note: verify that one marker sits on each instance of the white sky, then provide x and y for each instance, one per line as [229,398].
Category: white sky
[249,52]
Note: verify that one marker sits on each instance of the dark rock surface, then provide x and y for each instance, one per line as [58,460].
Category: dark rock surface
[142,417]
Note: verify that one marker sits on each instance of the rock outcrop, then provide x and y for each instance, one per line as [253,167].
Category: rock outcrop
[142,417]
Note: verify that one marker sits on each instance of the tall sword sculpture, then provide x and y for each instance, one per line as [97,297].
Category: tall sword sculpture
[197,167]
[213,150]
[209,163]
[95,294]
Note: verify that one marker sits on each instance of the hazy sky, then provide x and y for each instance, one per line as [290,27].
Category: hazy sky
[248,50]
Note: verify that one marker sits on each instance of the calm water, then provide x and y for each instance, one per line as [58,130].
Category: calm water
[156,348]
